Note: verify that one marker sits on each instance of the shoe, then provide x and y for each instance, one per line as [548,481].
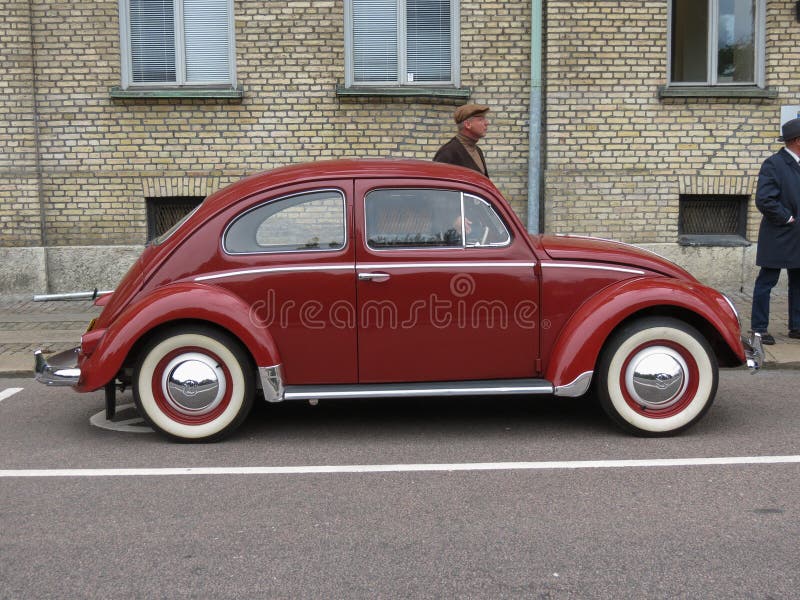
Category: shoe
[795,333]
[766,338]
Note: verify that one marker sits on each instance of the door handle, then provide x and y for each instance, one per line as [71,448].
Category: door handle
[377,277]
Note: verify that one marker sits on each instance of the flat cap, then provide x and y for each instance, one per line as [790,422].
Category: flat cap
[790,130]
[469,110]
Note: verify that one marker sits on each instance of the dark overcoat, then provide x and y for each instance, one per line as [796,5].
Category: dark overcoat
[778,198]
[454,153]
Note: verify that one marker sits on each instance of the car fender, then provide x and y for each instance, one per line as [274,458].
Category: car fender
[578,346]
[172,303]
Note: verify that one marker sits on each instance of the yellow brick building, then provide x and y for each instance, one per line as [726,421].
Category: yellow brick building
[87,151]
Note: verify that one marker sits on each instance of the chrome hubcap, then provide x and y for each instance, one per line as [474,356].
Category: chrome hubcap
[656,377]
[193,383]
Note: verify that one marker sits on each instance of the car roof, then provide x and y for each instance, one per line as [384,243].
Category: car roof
[344,169]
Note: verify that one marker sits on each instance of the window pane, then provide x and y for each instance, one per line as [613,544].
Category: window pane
[736,41]
[152,41]
[429,46]
[206,32]
[413,218]
[375,41]
[484,227]
[690,41]
[306,222]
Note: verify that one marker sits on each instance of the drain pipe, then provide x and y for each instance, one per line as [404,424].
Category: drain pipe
[535,120]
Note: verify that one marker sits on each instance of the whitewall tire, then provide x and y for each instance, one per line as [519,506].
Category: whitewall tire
[657,376]
[194,383]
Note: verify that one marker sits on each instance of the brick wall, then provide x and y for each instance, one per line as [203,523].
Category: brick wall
[19,188]
[617,155]
[101,157]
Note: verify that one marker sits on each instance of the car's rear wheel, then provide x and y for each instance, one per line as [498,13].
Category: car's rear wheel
[194,384]
[657,376]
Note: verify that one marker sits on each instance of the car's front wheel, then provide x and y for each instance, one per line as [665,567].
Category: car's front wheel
[657,376]
[194,383]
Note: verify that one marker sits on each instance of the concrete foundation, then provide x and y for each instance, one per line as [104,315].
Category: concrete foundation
[64,269]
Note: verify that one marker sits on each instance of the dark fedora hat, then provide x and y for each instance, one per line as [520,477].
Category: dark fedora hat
[790,130]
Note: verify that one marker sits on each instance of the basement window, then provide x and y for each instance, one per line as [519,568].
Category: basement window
[712,220]
[165,212]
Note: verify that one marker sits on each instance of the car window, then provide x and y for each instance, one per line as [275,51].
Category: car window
[413,218]
[423,218]
[305,222]
[484,226]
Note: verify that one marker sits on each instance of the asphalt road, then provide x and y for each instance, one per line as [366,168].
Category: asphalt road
[552,530]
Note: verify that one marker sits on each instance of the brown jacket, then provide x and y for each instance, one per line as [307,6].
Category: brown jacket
[454,153]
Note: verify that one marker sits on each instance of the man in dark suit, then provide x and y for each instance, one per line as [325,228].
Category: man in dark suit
[463,149]
[778,199]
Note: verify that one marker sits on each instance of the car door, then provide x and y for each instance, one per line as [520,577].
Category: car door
[446,290]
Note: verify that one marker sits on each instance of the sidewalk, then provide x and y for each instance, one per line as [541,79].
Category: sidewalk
[26,326]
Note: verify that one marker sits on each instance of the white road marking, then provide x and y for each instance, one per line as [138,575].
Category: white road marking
[409,468]
[7,393]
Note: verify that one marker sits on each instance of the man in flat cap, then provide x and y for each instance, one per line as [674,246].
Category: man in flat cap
[778,199]
[463,149]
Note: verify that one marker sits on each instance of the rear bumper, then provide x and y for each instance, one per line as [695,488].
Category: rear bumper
[59,369]
[753,351]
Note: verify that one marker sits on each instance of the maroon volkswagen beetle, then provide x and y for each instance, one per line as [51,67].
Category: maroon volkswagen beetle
[349,279]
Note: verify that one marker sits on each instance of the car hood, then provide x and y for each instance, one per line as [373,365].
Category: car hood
[580,248]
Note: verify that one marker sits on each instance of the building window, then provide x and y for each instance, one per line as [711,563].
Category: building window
[712,220]
[164,213]
[169,43]
[401,42]
[717,42]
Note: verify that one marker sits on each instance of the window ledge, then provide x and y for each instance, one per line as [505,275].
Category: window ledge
[727,241]
[413,91]
[717,91]
[155,93]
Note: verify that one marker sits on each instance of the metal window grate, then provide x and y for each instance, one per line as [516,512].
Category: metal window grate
[712,215]
[163,213]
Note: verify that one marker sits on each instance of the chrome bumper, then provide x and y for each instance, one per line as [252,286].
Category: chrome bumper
[753,351]
[60,369]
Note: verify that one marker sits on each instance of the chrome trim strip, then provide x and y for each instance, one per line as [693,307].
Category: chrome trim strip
[560,265]
[445,265]
[271,379]
[578,387]
[413,390]
[387,265]
[62,370]
[263,270]
[733,308]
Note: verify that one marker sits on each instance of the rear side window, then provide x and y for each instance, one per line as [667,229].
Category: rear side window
[313,221]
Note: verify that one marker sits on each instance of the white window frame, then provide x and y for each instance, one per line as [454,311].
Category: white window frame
[759,37]
[180,52]
[402,67]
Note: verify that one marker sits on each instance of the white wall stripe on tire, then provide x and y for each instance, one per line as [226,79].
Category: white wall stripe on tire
[411,468]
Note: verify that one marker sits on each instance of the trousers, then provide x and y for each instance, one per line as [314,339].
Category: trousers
[766,280]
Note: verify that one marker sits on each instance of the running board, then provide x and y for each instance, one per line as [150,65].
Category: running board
[497,387]
[271,380]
